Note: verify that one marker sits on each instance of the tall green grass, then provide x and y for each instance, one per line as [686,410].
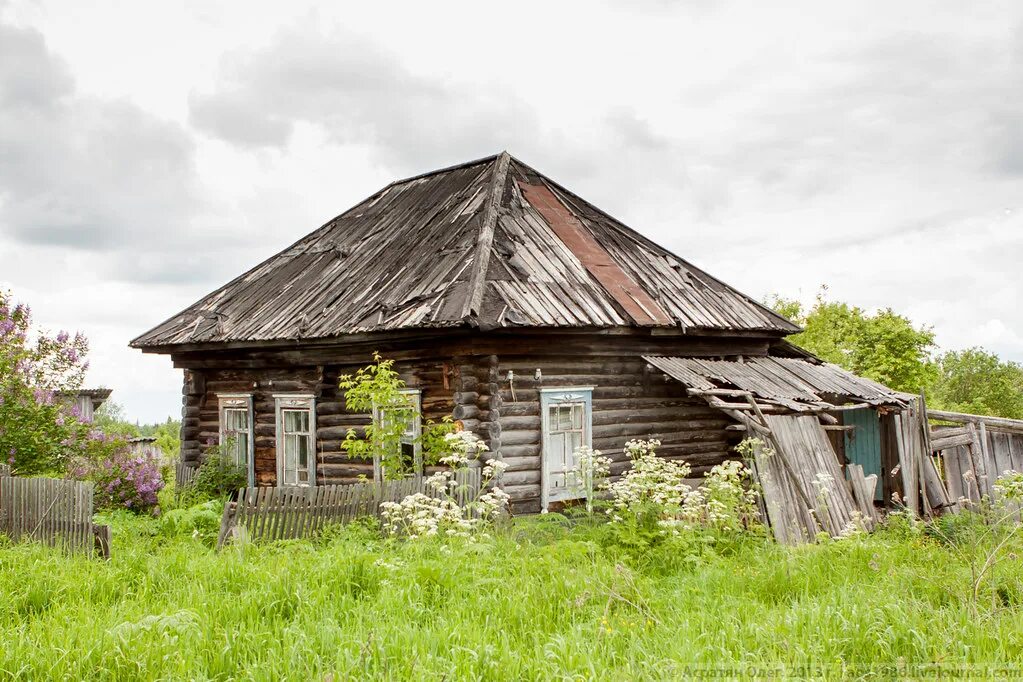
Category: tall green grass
[543,600]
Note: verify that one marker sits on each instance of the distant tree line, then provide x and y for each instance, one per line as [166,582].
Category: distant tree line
[887,347]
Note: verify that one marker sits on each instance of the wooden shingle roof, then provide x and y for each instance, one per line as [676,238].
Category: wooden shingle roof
[487,244]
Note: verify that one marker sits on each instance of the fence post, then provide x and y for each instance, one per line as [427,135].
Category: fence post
[102,538]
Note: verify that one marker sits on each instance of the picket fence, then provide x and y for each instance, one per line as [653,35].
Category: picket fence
[55,512]
[184,474]
[292,512]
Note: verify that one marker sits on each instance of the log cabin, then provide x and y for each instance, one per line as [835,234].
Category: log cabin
[538,321]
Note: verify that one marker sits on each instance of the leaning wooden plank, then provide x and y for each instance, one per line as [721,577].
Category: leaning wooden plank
[865,506]
[953,475]
[812,461]
[937,495]
[786,513]
[978,452]
[907,463]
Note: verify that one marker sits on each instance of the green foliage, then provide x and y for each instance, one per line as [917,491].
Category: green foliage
[39,430]
[111,418]
[978,382]
[888,348]
[218,477]
[168,437]
[883,346]
[548,600]
[376,389]
[201,521]
[434,440]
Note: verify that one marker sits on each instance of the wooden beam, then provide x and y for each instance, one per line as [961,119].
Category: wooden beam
[997,423]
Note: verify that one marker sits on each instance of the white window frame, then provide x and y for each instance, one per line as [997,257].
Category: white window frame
[240,401]
[551,397]
[412,438]
[296,401]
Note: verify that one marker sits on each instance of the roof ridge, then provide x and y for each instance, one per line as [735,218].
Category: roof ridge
[485,239]
[447,169]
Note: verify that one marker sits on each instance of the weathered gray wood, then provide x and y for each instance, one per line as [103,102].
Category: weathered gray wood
[54,512]
[293,512]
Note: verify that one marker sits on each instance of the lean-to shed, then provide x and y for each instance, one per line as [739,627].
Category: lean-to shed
[538,320]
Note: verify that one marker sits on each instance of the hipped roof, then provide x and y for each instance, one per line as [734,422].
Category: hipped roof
[487,244]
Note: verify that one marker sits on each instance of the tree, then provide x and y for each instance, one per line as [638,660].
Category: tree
[168,437]
[883,346]
[39,431]
[978,382]
[111,418]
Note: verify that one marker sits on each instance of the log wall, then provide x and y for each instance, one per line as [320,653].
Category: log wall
[630,400]
[200,428]
[467,378]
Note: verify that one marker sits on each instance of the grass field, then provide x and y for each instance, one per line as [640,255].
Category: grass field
[546,599]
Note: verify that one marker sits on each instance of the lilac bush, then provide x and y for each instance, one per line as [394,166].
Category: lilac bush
[39,432]
[124,480]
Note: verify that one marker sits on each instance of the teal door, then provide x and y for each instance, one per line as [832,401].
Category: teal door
[863,444]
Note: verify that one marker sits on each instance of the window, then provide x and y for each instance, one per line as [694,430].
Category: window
[566,416]
[236,431]
[411,449]
[296,440]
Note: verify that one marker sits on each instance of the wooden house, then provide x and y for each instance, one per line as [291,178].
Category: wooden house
[86,401]
[507,301]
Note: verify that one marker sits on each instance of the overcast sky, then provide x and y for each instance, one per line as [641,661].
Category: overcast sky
[149,152]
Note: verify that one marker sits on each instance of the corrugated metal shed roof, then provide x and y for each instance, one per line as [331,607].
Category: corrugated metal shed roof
[791,382]
[464,247]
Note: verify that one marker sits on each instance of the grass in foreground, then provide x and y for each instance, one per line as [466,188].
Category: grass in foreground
[545,600]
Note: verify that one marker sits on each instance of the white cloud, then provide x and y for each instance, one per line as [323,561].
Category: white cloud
[151,153]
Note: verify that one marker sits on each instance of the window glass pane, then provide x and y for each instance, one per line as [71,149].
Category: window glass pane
[290,458]
[577,416]
[408,455]
[296,421]
[241,448]
[575,439]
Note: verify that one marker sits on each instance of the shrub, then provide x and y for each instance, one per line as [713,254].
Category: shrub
[652,500]
[201,521]
[39,431]
[124,480]
[218,477]
[420,515]
[589,475]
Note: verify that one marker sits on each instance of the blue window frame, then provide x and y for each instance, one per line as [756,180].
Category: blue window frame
[567,423]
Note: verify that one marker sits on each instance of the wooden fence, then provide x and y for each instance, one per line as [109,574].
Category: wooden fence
[183,475]
[973,457]
[5,471]
[55,512]
[293,512]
